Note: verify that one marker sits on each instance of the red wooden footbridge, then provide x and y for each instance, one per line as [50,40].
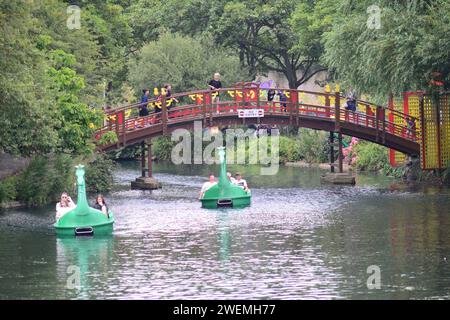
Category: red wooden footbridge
[229,106]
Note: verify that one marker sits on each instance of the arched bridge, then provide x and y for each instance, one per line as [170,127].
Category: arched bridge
[246,104]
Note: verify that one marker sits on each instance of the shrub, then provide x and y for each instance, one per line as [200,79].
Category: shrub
[313,145]
[8,189]
[109,137]
[44,179]
[162,148]
[371,157]
[99,174]
[289,149]
[127,153]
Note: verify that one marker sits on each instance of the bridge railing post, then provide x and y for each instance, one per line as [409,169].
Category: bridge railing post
[164,114]
[327,100]
[211,107]
[293,94]
[258,103]
[337,109]
[124,128]
[377,122]
[204,108]
[117,130]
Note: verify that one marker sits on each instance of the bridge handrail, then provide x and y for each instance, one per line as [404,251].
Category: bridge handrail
[380,117]
[203,92]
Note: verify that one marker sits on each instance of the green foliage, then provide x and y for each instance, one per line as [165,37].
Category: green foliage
[313,145]
[289,149]
[8,191]
[24,102]
[371,156]
[127,153]
[48,176]
[150,18]
[99,174]
[77,120]
[162,147]
[45,179]
[107,138]
[413,40]
[264,37]
[184,62]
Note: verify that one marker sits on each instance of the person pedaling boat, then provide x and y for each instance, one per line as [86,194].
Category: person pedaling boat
[240,182]
[64,205]
[208,184]
[230,177]
[100,204]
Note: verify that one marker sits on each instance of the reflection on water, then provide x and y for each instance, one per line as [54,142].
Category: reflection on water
[84,263]
[299,239]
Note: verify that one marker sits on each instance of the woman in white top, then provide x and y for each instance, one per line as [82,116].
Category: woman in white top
[64,205]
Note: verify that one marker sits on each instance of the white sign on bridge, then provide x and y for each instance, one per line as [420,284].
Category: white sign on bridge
[250,113]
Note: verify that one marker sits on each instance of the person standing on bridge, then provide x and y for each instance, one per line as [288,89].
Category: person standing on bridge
[283,100]
[171,102]
[351,100]
[214,85]
[143,111]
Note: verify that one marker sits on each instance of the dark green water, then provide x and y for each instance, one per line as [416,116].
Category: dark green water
[298,240]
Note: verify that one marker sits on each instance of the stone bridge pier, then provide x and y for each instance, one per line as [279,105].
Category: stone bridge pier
[146,181]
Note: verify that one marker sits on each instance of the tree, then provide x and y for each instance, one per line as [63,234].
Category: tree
[108,24]
[76,120]
[184,62]
[26,122]
[150,18]
[411,42]
[263,35]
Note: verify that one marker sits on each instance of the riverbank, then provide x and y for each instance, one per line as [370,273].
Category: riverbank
[41,180]
[325,166]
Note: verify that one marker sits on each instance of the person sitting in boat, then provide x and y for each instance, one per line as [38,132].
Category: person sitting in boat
[208,184]
[65,205]
[100,204]
[240,182]
[230,177]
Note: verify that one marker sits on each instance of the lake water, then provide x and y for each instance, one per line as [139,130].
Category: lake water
[298,240]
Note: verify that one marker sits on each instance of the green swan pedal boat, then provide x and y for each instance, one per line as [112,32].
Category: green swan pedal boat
[84,220]
[224,194]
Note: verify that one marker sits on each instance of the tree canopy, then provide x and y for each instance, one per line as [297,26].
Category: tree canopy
[54,79]
[184,62]
[411,42]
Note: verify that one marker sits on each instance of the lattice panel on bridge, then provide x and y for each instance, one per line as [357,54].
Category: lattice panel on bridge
[444,105]
[429,151]
[414,109]
[397,158]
